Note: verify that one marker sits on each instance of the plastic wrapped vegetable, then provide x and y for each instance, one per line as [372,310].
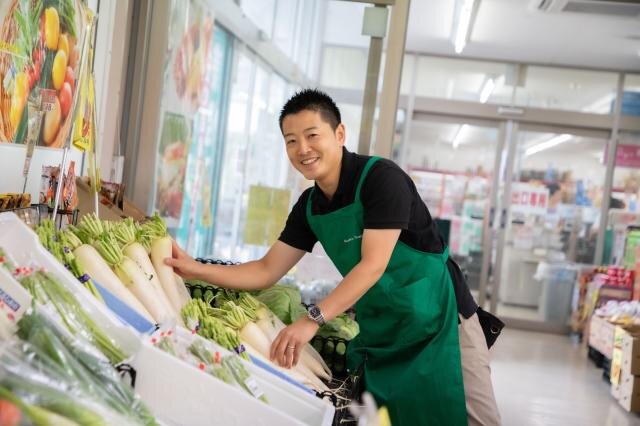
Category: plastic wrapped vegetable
[52,348]
[21,381]
[45,288]
[283,300]
[243,378]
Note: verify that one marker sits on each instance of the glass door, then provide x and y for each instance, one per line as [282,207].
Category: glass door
[549,203]
[453,164]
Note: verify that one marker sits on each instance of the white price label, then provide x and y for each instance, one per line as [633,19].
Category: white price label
[48,99]
[253,387]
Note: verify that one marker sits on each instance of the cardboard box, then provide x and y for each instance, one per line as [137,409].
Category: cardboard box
[616,389]
[629,396]
[616,366]
[609,292]
[86,205]
[636,282]
[601,334]
[630,352]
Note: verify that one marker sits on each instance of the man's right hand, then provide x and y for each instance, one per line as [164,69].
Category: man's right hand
[183,264]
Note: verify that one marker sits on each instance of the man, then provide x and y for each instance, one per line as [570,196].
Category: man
[373,225]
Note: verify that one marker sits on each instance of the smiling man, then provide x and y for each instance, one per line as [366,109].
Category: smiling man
[368,216]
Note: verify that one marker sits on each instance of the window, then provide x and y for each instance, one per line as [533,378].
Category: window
[568,89]
[260,12]
[463,80]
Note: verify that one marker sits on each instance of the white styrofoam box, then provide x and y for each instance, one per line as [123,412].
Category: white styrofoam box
[14,299]
[305,407]
[23,246]
[175,391]
[12,162]
[180,394]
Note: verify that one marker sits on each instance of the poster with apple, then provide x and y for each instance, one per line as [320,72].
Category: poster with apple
[40,53]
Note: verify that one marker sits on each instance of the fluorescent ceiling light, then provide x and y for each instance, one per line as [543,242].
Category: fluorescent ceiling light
[556,140]
[602,105]
[489,86]
[462,21]
[487,90]
[458,137]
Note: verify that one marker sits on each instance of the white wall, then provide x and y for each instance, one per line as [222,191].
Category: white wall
[12,158]
[112,43]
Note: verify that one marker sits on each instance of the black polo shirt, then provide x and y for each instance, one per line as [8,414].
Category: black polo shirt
[390,201]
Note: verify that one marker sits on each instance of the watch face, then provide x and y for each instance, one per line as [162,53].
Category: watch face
[314,311]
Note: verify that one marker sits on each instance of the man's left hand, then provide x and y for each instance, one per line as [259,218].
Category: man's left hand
[290,342]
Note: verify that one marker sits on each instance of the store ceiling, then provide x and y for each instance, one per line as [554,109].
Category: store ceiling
[507,30]
[510,30]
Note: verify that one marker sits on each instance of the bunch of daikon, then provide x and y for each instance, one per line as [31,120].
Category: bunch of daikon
[128,260]
[257,327]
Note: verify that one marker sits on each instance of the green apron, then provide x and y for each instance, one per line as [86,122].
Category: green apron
[408,345]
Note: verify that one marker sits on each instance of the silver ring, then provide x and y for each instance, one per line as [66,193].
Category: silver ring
[291,347]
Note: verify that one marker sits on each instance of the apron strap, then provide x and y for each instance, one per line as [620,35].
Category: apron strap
[309,204]
[367,166]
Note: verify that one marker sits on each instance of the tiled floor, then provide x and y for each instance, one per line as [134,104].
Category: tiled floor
[547,380]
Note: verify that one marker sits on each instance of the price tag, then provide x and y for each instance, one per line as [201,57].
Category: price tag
[48,99]
[253,387]
[34,122]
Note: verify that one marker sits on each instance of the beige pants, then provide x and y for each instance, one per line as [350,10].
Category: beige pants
[476,374]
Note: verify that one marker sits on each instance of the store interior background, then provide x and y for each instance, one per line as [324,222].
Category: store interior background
[528,107]
[528,103]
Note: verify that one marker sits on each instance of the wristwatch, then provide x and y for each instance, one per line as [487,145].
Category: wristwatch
[315,314]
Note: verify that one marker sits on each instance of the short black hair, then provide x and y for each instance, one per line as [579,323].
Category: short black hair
[312,100]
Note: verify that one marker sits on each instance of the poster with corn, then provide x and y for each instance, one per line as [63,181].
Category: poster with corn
[40,56]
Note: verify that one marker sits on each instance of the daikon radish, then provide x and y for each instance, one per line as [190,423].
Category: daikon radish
[125,234]
[293,374]
[130,274]
[182,290]
[271,325]
[160,250]
[252,334]
[154,234]
[89,258]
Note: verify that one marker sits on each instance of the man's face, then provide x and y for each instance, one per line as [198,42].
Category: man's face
[314,149]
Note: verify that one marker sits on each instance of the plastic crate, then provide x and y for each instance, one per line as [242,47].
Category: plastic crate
[334,352]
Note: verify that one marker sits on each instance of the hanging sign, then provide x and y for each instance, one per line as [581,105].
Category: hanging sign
[529,199]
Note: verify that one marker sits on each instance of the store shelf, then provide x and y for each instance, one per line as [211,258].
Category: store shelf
[22,244]
[176,392]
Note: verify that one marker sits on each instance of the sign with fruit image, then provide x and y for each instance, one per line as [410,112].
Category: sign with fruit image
[172,153]
[40,49]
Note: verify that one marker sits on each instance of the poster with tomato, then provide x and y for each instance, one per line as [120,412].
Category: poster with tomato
[191,55]
[40,56]
[172,164]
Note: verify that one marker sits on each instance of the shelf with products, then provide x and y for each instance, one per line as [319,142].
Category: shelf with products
[448,194]
[165,376]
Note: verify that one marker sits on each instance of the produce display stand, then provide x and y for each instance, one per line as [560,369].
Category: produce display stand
[175,391]
[346,388]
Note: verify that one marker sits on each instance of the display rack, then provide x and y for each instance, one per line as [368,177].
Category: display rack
[175,391]
[332,349]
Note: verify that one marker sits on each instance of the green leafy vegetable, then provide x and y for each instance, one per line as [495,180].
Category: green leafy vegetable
[283,300]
